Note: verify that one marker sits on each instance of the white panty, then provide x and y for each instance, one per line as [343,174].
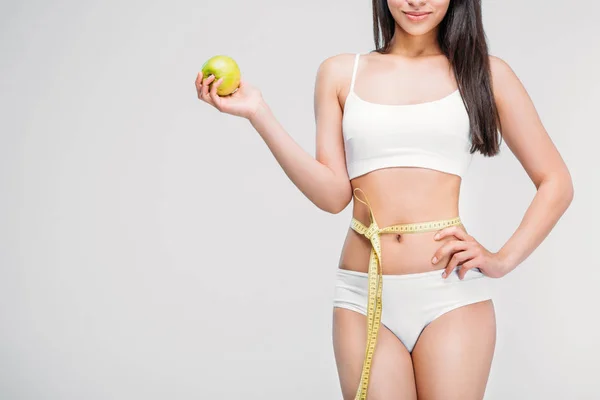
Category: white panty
[411,301]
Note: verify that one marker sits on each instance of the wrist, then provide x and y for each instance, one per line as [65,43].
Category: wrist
[259,113]
[505,262]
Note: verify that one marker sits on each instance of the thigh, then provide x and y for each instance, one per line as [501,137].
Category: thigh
[392,375]
[452,358]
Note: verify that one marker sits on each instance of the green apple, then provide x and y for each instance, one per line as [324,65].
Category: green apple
[222,67]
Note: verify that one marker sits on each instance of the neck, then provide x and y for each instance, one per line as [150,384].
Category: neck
[407,45]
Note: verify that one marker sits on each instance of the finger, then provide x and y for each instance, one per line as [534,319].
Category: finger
[455,230]
[449,248]
[208,79]
[213,94]
[199,80]
[205,85]
[199,85]
[457,258]
[472,263]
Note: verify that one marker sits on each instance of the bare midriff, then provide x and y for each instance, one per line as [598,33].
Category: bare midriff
[401,195]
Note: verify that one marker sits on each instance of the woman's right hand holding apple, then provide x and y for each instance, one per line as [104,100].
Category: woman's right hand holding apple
[244,102]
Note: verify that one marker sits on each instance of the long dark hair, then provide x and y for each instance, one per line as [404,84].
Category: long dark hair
[463,41]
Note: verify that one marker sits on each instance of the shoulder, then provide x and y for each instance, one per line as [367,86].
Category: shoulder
[338,62]
[503,76]
[336,69]
[499,68]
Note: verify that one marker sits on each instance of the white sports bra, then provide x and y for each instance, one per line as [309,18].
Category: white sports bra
[432,135]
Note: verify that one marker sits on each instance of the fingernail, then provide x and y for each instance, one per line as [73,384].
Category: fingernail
[437,236]
[434,260]
[444,274]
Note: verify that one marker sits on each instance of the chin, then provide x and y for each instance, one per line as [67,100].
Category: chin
[416,31]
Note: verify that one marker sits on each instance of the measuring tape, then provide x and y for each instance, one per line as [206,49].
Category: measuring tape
[375,278]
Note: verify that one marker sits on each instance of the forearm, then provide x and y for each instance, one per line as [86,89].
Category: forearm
[548,205]
[315,180]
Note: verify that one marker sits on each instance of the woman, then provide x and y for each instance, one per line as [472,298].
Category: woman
[400,124]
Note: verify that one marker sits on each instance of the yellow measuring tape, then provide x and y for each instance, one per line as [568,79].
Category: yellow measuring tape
[375,277]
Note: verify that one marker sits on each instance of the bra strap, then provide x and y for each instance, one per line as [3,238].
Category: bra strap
[354,71]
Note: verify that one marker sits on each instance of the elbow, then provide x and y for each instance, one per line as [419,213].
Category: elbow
[337,201]
[334,194]
[563,189]
[567,189]
[334,207]
[338,208]
[569,192]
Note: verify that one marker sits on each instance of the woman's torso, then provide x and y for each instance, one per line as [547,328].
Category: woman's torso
[402,194]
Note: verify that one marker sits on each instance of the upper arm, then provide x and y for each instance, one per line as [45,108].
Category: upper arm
[328,118]
[521,127]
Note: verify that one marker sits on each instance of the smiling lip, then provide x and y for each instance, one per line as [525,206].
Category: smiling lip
[416,16]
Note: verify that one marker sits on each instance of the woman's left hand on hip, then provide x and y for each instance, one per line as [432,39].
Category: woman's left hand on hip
[468,252]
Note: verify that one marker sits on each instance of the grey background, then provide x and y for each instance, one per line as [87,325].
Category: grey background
[152,248]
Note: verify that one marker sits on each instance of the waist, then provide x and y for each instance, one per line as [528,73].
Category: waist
[372,232]
[403,253]
[407,219]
